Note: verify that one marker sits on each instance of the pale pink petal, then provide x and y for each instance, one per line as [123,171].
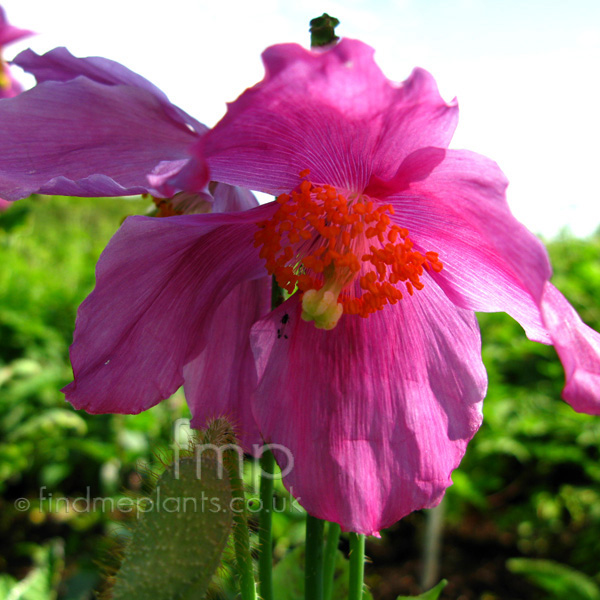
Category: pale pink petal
[230,198]
[377,412]
[158,285]
[82,138]
[459,209]
[578,347]
[333,112]
[60,65]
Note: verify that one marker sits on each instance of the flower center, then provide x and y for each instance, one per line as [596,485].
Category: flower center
[165,208]
[343,254]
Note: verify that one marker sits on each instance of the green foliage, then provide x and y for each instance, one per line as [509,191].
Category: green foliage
[41,582]
[288,577]
[534,465]
[180,534]
[559,581]
[49,453]
[432,594]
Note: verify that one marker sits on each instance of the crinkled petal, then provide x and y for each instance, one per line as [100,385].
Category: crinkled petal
[578,347]
[220,381]
[333,112]
[158,285]
[187,175]
[375,413]
[60,65]
[85,138]
[491,261]
[231,198]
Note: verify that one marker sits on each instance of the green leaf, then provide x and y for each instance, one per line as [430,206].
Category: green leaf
[181,533]
[15,217]
[558,580]
[48,422]
[7,583]
[41,582]
[432,594]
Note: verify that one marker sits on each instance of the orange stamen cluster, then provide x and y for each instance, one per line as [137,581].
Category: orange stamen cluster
[318,238]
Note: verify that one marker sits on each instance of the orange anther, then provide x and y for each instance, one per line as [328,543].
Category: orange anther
[305,186]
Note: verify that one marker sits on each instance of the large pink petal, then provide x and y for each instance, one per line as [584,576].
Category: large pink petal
[455,205]
[159,284]
[83,138]
[375,413]
[578,347]
[209,392]
[60,65]
[333,112]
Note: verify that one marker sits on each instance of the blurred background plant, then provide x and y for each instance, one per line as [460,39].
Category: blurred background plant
[522,520]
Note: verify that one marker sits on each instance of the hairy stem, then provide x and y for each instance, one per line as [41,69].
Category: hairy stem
[357,566]
[331,551]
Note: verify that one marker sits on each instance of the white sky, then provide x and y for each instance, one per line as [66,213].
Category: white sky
[526,72]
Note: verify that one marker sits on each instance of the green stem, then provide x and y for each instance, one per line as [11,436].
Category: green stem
[331,552]
[265,522]
[241,535]
[357,565]
[313,573]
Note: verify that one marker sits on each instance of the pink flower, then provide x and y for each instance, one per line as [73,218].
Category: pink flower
[8,34]
[371,373]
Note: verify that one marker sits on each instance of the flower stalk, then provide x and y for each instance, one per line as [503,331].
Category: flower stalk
[265,527]
[357,566]
[313,561]
[329,560]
